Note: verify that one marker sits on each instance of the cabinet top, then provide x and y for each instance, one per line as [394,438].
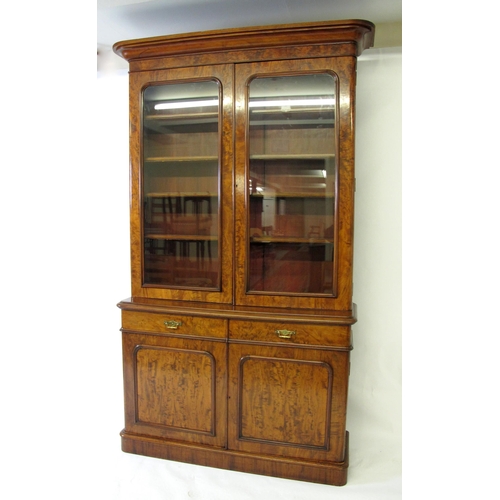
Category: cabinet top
[357,32]
[227,311]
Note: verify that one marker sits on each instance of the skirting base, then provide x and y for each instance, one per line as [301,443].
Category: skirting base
[287,468]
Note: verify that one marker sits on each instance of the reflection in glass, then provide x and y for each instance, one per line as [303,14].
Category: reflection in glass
[181,185]
[292,184]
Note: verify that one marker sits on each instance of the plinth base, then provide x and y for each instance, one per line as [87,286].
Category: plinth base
[287,468]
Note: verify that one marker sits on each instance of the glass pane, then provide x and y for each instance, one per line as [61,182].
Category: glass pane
[292,184]
[181,185]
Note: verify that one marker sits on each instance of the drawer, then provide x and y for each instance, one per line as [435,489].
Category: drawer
[290,333]
[174,324]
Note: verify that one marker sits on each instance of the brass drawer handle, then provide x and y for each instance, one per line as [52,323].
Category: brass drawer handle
[172,324]
[285,334]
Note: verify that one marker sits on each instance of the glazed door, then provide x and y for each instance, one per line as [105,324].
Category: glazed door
[182,228]
[293,189]
[287,401]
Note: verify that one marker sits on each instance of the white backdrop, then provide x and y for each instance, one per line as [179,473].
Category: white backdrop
[67,265]
[374,414]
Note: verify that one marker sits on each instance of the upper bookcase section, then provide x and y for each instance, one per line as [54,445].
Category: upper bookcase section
[349,37]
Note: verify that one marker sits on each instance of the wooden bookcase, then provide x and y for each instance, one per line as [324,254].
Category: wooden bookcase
[237,334]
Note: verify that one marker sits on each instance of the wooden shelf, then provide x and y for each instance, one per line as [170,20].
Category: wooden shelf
[173,159]
[309,156]
[181,194]
[182,116]
[256,122]
[181,237]
[293,195]
[286,239]
[266,157]
[295,111]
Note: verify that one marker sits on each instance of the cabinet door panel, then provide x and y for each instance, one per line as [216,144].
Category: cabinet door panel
[294,186]
[273,399]
[181,203]
[175,388]
[287,401]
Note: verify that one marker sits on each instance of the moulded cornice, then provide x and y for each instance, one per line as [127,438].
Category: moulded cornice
[358,32]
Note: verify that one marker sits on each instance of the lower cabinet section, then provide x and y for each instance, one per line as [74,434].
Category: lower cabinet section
[276,408]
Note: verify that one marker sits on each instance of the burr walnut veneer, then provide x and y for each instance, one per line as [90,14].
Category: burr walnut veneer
[236,338]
